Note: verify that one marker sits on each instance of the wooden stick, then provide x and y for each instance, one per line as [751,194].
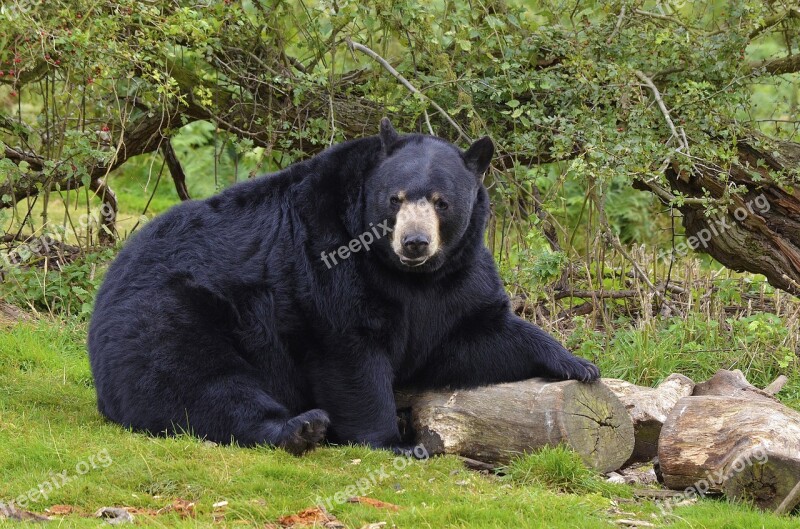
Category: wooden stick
[791,499]
[776,385]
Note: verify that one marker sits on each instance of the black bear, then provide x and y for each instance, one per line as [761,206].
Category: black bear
[287,308]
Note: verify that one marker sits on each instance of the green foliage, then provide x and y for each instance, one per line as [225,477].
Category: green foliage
[65,291]
[264,83]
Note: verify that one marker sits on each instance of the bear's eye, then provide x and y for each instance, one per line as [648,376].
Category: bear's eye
[395,200]
[441,204]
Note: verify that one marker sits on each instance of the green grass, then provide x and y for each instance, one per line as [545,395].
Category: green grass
[50,425]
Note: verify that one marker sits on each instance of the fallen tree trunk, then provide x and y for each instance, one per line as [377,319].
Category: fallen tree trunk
[746,446]
[649,408]
[759,231]
[726,383]
[495,423]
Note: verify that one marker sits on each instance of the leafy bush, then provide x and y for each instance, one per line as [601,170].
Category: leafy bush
[65,291]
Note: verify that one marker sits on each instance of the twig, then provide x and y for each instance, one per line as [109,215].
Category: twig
[668,18]
[660,101]
[428,122]
[614,241]
[600,294]
[610,237]
[793,12]
[389,68]
[474,464]
[618,26]
[791,499]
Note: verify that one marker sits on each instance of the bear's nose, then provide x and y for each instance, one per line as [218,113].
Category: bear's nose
[415,245]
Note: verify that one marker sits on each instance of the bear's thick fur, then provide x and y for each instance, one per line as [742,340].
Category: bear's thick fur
[287,308]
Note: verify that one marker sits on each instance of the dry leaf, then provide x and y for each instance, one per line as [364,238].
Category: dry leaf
[313,516]
[61,510]
[184,508]
[374,503]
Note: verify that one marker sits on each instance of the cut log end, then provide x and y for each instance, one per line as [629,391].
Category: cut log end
[766,482]
[596,426]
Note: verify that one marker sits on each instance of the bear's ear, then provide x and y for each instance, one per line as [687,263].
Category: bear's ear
[389,136]
[479,155]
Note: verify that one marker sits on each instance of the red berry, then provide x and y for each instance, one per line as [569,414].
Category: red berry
[104,128]
[13,93]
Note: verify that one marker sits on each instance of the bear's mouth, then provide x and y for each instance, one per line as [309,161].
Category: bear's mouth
[418,261]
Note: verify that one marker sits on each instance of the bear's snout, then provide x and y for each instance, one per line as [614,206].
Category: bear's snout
[416,232]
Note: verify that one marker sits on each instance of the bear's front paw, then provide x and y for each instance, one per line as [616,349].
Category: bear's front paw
[304,432]
[575,368]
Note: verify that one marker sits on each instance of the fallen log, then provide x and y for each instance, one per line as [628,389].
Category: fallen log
[726,383]
[741,442]
[494,423]
[648,408]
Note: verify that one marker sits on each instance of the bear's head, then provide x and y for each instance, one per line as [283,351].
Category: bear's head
[426,188]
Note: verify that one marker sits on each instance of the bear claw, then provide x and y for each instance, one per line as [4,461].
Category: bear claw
[304,432]
[577,368]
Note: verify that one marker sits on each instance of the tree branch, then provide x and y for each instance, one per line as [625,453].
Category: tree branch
[777,18]
[175,169]
[660,101]
[790,64]
[388,67]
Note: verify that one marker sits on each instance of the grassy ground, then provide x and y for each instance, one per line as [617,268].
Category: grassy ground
[51,430]
[49,425]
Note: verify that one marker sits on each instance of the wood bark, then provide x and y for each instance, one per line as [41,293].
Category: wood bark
[760,230]
[495,423]
[649,408]
[741,442]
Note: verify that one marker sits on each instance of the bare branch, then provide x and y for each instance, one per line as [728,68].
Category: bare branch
[667,18]
[389,68]
[777,18]
[175,169]
[657,96]
[617,26]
